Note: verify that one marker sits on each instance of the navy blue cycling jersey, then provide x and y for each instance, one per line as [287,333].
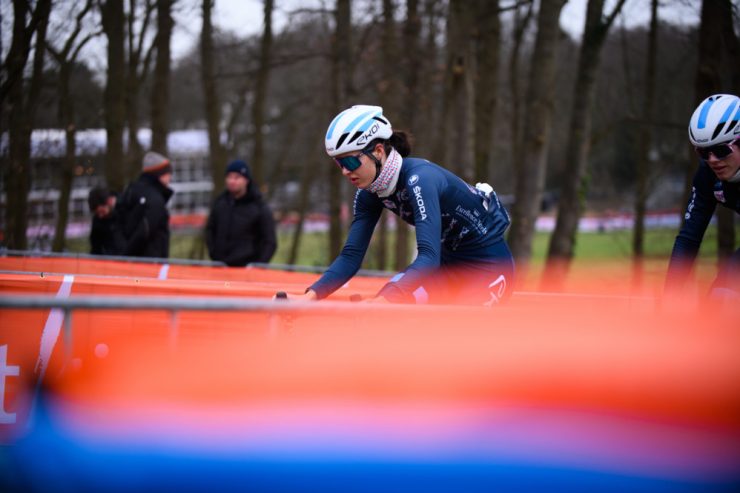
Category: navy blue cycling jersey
[707,190]
[455,223]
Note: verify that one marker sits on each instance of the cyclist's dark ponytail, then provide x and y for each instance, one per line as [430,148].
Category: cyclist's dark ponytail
[400,141]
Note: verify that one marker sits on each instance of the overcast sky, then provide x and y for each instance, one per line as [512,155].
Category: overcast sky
[244,17]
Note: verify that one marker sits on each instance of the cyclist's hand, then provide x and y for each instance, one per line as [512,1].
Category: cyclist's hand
[309,295]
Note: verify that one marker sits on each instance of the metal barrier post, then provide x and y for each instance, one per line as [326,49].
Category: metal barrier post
[67,335]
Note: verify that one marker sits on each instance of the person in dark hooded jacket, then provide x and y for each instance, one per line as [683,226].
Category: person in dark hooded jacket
[142,210]
[240,227]
[105,237]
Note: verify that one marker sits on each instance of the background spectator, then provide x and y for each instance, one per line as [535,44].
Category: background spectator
[240,227]
[142,210]
[105,237]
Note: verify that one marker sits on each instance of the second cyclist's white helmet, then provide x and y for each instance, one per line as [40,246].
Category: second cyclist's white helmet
[715,120]
[354,128]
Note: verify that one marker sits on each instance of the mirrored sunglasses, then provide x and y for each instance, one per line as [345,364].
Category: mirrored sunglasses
[720,151]
[350,163]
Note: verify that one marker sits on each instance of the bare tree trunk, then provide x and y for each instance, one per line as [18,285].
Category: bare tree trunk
[645,139]
[161,86]
[68,166]
[428,124]
[66,58]
[260,96]
[278,165]
[22,112]
[210,93]
[135,150]
[716,39]
[388,93]
[15,172]
[575,184]
[456,129]
[530,173]
[113,22]
[408,111]
[726,237]
[707,80]
[520,27]
[341,89]
[305,192]
[138,68]
[487,50]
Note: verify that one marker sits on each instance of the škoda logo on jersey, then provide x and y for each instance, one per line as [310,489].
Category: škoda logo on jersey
[417,196]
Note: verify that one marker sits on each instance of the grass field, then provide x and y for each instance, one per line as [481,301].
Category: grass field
[613,246]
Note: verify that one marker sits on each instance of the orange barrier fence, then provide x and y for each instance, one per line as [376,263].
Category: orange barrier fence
[625,387]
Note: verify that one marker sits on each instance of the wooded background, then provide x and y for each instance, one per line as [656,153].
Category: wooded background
[494,90]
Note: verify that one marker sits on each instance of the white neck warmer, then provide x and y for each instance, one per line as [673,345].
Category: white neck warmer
[386,182]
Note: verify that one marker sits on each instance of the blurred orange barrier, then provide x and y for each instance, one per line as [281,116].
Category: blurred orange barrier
[626,376]
[145,286]
[87,266]
[659,365]
[664,364]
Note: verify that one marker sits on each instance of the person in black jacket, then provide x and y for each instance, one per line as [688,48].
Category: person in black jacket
[240,227]
[105,236]
[142,210]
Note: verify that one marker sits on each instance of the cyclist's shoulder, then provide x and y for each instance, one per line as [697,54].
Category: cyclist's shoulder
[419,165]
[421,170]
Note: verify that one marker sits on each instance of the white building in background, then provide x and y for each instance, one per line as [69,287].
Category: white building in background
[187,149]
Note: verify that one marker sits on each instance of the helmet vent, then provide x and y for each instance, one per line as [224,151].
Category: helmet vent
[717,130]
[341,140]
[731,126]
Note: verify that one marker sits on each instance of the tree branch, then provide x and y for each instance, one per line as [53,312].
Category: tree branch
[150,6]
[83,42]
[617,8]
[78,28]
[515,6]
[17,72]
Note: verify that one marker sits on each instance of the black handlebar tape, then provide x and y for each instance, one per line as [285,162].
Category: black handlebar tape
[281,295]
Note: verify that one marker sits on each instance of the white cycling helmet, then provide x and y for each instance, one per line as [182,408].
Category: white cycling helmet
[353,129]
[715,121]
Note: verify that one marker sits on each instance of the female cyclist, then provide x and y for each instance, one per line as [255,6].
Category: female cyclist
[462,255]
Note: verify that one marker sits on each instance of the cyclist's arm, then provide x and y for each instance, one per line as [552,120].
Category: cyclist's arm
[696,219]
[367,210]
[424,196]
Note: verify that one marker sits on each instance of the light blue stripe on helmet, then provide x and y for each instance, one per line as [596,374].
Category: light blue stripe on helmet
[368,122]
[736,116]
[728,112]
[355,122]
[334,124]
[704,112]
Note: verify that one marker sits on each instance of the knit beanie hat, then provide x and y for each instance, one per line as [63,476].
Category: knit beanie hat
[156,164]
[240,167]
